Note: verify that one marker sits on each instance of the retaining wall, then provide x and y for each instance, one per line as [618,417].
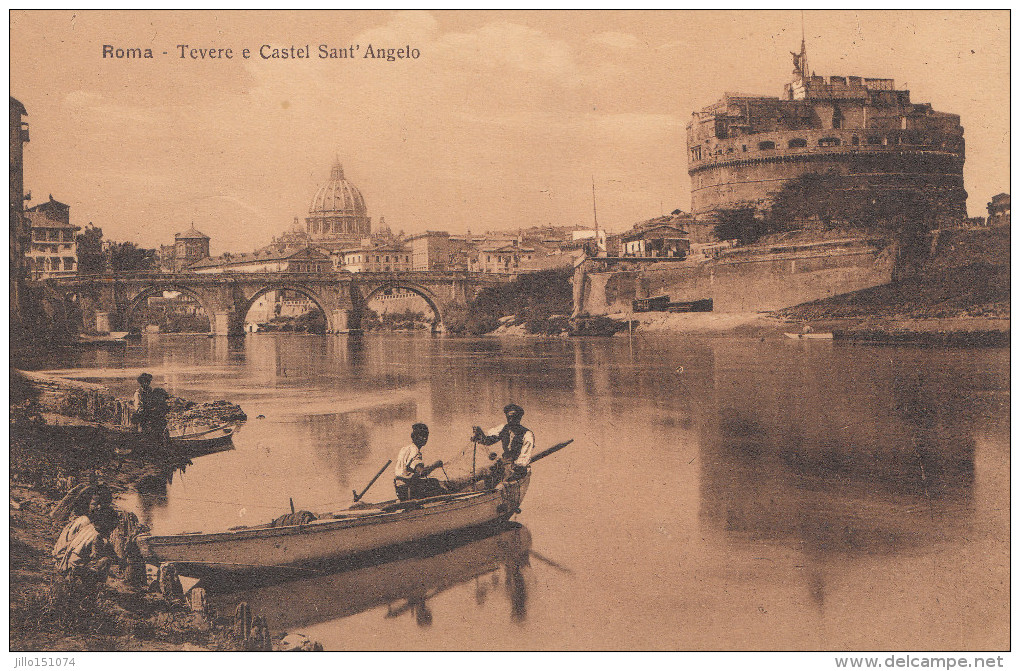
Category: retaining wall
[748,280]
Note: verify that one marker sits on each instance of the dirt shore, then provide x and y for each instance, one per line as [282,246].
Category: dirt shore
[768,325]
[62,433]
[44,462]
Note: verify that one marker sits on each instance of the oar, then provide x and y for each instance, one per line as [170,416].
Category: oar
[550,562]
[554,448]
[357,496]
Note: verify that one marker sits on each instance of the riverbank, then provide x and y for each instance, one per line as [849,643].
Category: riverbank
[955,331]
[45,462]
[963,331]
[50,453]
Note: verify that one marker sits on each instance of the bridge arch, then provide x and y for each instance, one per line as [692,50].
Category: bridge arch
[148,292]
[311,295]
[430,298]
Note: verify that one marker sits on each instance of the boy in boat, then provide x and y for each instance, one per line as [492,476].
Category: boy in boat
[410,474]
[518,444]
[151,409]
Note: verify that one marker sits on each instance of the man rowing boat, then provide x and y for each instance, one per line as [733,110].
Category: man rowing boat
[518,443]
[410,475]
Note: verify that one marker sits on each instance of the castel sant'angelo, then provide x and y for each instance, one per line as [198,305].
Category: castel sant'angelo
[865,132]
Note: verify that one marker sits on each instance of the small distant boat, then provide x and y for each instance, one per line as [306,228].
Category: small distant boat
[201,441]
[100,341]
[809,336]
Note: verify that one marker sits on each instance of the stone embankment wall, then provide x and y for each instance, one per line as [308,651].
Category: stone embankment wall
[750,279]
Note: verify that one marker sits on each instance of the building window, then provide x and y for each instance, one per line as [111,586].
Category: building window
[796,142]
[766,145]
[743,147]
[874,139]
[829,142]
[854,140]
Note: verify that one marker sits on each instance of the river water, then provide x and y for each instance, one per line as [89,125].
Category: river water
[720,494]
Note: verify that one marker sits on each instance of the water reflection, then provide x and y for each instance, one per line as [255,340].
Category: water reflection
[402,580]
[858,476]
[827,464]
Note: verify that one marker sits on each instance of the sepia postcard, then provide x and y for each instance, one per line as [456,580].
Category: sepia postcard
[503,331]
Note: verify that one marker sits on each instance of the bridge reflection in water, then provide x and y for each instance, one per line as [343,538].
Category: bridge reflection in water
[399,581]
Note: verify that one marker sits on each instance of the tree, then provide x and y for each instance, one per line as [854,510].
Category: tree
[127,256]
[829,198]
[90,250]
[743,224]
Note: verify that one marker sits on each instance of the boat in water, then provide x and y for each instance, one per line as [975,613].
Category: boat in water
[358,530]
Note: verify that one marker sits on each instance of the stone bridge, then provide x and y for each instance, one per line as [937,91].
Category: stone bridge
[227,297]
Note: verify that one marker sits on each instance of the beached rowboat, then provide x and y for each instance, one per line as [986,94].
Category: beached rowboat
[202,441]
[348,533]
[809,336]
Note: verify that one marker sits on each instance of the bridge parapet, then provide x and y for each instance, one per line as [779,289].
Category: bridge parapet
[213,278]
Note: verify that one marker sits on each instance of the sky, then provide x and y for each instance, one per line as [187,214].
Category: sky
[504,120]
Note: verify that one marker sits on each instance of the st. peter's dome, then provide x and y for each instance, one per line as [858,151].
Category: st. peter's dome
[338,213]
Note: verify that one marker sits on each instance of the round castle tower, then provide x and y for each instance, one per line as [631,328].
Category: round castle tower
[744,149]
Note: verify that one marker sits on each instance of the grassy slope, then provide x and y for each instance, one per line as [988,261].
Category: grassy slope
[967,277]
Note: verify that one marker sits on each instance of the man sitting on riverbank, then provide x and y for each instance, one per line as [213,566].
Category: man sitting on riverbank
[411,479]
[83,551]
[518,444]
[151,408]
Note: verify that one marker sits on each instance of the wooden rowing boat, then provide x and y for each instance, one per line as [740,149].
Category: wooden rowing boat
[201,441]
[349,533]
[809,336]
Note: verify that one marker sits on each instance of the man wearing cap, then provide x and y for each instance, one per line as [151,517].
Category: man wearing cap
[518,443]
[410,475]
[150,408]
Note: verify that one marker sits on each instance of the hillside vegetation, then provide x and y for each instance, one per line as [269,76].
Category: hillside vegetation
[967,276]
[532,297]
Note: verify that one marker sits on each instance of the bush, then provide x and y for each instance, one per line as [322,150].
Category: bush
[551,326]
[532,296]
[598,326]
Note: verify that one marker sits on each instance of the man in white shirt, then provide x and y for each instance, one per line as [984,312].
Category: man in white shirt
[83,550]
[518,443]
[410,475]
